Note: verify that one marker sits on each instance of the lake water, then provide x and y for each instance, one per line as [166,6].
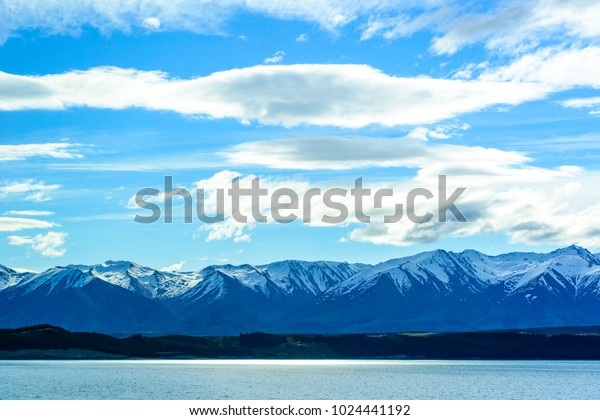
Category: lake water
[253,379]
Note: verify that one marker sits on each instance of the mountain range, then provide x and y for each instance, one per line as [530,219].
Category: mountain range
[431,291]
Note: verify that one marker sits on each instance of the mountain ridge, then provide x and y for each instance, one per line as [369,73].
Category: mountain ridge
[434,291]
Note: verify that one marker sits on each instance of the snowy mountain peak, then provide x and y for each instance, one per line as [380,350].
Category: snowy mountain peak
[439,270]
[310,277]
[56,279]
[144,281]
[5,270]
[575,251]
[113,268]
[10,277]
[290,279]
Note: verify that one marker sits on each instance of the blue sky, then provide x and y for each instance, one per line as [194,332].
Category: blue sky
[99,100]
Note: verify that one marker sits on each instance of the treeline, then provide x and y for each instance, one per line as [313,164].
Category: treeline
[474,345]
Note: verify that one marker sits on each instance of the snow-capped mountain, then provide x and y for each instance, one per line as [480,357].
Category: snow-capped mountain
[433,291]
[469,290]
[74,298]
[439,270]
[143,281]
[258,295]
[10,277]
[276,280]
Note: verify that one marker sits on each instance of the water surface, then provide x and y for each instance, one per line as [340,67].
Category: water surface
[257,379]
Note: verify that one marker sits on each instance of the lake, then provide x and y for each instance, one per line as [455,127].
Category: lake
[295,379]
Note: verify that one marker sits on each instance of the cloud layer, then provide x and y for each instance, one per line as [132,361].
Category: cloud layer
[506,194]
[316,153]
[507,26]
[317,94]
[205,17]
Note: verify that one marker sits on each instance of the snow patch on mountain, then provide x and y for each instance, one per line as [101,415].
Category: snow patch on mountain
[10,277]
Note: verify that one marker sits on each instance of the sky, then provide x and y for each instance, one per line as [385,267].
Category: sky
[100,99]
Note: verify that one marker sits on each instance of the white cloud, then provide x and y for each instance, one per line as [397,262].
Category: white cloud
[438,133]
[38,197]
[528,205]
[555,67]
[50,244]
[586,103]
[216,259]
[174,267]
[52,150]
[582,102]
[338,153]
[514,27]
[13,224]
[507,26]
[404,23]
[552,43]
[33,213]
[32,190]
[205,17]
[228,229]
[317,94]
[24,270]
[242,238]
[169,162]
[506,194]
[302,38]
[151,23]
[275,58]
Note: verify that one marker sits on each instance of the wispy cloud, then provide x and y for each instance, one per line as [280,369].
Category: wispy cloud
[556,67]
[206,17]
[13,224]
[337,153]
[275,58]
[103,216]
[30,190]
[174,267]
[513,27]
[33,213]
[191,160]
[507,26]
[46,150]
[593,104]
[151,23]
[50,244]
